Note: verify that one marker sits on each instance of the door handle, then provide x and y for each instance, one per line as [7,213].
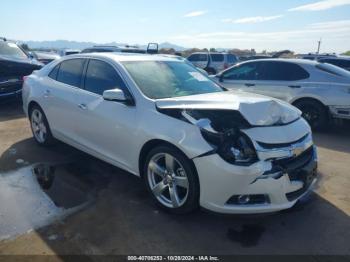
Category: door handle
[82,106]
[294,86]
[249,85]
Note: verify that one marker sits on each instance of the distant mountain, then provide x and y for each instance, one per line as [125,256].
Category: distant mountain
[61,44]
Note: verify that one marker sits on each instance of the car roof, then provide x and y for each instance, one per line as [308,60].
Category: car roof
[122,57]
[287,60]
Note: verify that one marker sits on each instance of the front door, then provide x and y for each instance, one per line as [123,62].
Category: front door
[105,127]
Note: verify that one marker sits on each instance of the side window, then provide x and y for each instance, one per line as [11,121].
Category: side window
[217,57]
[101,76]
[54,72]
[247,71]
[70,72]
[282,71]
[231,59]
[194,57]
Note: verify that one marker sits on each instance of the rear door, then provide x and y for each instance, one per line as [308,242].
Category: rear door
[279,79]
[105,127]
[60,97]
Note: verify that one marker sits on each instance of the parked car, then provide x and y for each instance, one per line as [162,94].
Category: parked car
[340,61]
[120,49]
[212,62]
[15,63]
[317,89]
[44,57]
[65,52]
[191,141]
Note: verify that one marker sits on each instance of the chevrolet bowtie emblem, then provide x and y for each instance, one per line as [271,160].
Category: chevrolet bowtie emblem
[296,151]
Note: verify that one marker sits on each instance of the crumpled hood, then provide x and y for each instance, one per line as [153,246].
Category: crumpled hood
[258,110]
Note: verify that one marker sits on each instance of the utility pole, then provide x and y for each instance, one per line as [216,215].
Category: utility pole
[319,46]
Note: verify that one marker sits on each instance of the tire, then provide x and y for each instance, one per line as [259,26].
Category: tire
[314,113]
[210,71]
[171,180]
[40,127]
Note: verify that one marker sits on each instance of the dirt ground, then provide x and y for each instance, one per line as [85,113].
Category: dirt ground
[121,219]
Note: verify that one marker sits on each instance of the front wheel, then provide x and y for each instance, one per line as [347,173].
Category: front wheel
[314,113]
[171,179]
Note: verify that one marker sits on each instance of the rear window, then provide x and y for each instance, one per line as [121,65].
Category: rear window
[337,62]
[217,57]
[70,72]
[231,59]
[54,72]
[198,58]
[334,70]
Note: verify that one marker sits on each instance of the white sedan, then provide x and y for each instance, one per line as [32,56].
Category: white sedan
[193,143]
[319,90]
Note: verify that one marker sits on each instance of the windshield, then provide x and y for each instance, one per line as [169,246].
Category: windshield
[331,69]
[12,50]
[164,79]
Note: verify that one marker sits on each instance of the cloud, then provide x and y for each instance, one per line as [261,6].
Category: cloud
[335,33]
[251,20]
[195,13]
[321,5]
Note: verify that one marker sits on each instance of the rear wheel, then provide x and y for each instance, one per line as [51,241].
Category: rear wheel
[171,180]
[314,113]
[40,127]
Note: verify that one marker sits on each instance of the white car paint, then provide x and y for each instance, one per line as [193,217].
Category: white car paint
[333,91]
[116,133]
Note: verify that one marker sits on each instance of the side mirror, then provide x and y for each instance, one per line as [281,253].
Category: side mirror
[31,55]
[116,95]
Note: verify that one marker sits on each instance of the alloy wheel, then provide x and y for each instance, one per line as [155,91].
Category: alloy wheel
[168,180]
[38,126]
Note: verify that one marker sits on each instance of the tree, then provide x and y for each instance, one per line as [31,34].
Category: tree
[347,53]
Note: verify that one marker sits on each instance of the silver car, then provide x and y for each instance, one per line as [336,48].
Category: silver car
[319,90]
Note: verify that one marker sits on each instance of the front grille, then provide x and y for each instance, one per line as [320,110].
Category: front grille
[294,163]
[280,145]
[307,178]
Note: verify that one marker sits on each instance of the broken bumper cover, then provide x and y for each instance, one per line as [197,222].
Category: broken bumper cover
[268,189]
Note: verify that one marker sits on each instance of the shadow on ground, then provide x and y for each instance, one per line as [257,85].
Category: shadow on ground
[123,220]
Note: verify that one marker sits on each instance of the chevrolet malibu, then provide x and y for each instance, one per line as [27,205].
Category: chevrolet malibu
[191,141]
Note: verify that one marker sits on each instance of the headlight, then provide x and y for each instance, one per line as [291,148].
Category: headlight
[232,146]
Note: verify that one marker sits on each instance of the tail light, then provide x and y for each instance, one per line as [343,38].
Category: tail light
[225,65]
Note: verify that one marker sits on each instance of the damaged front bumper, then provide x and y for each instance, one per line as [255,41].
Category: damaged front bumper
[266,186]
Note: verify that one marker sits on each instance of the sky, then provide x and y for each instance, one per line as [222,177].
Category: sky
[260,24]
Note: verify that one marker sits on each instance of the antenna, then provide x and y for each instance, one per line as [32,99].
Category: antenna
[319,46]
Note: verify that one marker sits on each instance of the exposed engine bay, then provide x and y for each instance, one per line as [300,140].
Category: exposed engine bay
[222,130]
